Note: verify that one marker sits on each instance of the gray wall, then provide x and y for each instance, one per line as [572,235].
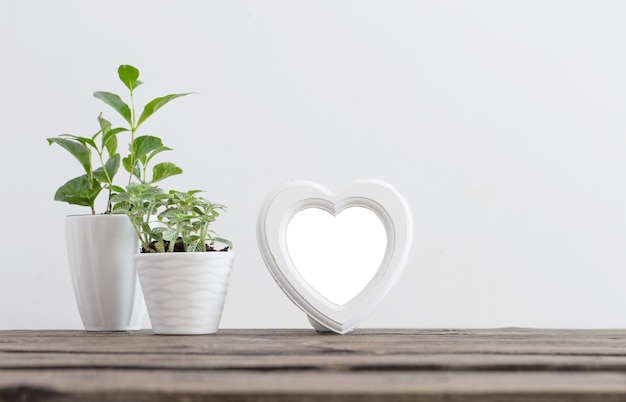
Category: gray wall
[502,122]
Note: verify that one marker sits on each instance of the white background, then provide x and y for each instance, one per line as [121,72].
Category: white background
[502,122]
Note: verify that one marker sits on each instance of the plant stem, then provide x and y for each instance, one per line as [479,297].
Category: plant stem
[109,208]
[133,130]
[109,179]
[90,179]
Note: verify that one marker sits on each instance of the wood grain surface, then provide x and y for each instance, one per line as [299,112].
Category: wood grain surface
[509,364]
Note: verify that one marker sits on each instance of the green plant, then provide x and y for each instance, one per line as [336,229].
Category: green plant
[172,221]
[141,149]
[84,190]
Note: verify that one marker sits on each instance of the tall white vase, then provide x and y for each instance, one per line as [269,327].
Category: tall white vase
[185,292]
[101,250]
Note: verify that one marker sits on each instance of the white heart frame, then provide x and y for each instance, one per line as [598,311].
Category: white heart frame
[292,197]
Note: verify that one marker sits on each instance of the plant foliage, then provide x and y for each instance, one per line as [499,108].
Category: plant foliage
[172,221]
[85,189]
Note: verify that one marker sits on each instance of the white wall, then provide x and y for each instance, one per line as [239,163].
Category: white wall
[502,122]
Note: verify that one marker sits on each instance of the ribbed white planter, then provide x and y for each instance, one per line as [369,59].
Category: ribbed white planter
[184,292]
[101,250]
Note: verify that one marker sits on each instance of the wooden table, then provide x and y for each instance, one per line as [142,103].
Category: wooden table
[284,365]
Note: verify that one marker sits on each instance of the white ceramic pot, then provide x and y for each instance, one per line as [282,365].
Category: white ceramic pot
[101,250]
[184,292]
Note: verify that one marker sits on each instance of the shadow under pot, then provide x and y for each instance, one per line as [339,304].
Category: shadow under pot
[185,292]
[101,250]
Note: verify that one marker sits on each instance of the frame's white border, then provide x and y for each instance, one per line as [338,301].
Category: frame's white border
[291,198]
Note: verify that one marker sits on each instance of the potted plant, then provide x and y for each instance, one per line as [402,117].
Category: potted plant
[183,266]
[101,247]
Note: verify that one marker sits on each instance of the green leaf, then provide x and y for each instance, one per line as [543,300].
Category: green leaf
[136,170]
[110,143]
[195,246]
[126,163]
[144,145]
[117,189]
[155,152]
[88,142]
[158,229]
[156,104]
[164,170]
[200,213]
[225,242]
[111,166]
[117,130]
[145,228]
[116,103]
[105,125]
[105,129]
[170,234]
[128,75]
[79,191]
[120,210]
[77,149]
[109,140]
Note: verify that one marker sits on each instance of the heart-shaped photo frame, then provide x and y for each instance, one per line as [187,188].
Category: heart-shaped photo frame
[289,199]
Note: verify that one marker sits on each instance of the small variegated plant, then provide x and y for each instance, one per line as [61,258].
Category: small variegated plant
[171,222]
[84,190]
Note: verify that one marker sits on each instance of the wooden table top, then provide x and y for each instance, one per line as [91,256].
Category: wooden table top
[510,364]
